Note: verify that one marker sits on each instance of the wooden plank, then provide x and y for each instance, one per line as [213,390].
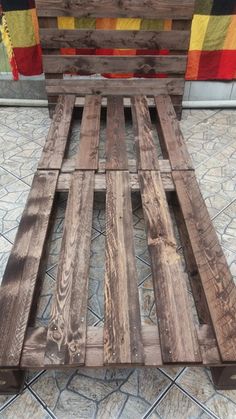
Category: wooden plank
[172,136]
[116,155]
[209,349]
[64,181]
[147,158]
[20,277]
[151,87]
[154,9]
[218,284]
[54,149]
[178,338]
[87,156]
[111,39]
[122,330]
[141,64]
[67,328]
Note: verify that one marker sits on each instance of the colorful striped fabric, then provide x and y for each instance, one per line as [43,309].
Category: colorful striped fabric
[212,54]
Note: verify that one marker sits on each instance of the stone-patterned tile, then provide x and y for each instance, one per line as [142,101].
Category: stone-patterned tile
[225,225]
[192,117]
[5,399]
[23,160]
[6,177]
[44,302]
[5,249]
[25,406]
[177,405]
[12,202]
[147,302]
[10,139]
[222,407]
[172,372]
[217,180]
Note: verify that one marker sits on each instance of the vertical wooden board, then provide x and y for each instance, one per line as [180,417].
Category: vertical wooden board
[87,156]
[20,277]
[122,330]
[54,149]
[66,336]
[147,158]
[172,136]
[177,332]
[218,284]
[116,156]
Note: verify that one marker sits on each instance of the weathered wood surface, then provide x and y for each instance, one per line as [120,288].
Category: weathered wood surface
[215,275]
[141,39]
[151,87]
[87,155]
[177,331]
[122,327]
[55,145]
[116,155]
[175,145]
[146,151]
[20,277]
[66,337]
[153,9]
[139,64]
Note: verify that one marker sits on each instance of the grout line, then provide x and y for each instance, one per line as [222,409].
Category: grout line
[223,209]
[42,403]
[212,155]
[158,400]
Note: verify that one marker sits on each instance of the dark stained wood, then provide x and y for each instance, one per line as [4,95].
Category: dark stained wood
[153,9]
[66,337]
[174,141]
[116,155]
[141,64]
[224,378]
[209,349]
[147,158]
[11,381]
[63,38]
[54,149]
[216,279]
[122,329]
[177,332]
[87,156]
[151,87]
[20,277]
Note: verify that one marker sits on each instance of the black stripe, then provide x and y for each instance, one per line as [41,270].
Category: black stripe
[11,5]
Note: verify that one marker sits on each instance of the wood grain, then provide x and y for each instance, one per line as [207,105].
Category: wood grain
[111,39]
[66,337]
[20,277]
[116,155]
[218,284]
[87,156]
[150,9]
[142,64]
[149,87]
[175,145]
[54,149]
[177,332]
[146,152]
[122,327]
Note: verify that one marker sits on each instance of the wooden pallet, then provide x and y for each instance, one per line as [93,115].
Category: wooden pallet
[68,341]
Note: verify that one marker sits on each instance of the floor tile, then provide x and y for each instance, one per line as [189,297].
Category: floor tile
[225,225]
[5,249]
[25,406]
[23,160]
[6,177]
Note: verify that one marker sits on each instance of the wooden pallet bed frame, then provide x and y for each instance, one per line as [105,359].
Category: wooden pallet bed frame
[68,341]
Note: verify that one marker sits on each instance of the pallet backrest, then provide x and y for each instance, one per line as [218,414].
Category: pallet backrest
[176,40]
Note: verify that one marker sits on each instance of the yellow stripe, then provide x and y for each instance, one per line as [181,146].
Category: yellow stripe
[66,22]
[199,28]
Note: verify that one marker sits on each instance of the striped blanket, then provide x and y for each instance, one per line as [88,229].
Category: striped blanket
[212,54]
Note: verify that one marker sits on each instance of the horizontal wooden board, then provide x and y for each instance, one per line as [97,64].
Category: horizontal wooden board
[23,267]
[142,64]
[153,9]
[64,38]
[152,87]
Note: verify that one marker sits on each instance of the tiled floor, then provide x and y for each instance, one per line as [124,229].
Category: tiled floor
[179,393]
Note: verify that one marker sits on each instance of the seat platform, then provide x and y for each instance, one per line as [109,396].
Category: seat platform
[179,337]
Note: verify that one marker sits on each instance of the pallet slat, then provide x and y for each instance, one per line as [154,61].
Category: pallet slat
[122,329]
[177,332]
[23,267]
[116,156]
[142,64]
[216,279]
[172,135]
[154,9]
[87,156]
[54,149]
[66,337]
[141,39]
[147,158]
